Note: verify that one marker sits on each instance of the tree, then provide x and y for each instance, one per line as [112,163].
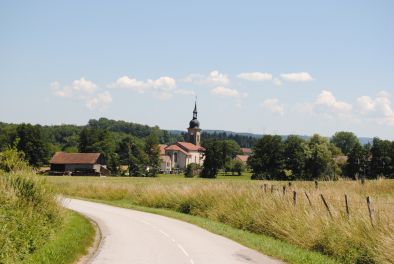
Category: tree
[31,142]
[152,151]
[295,153]
[213,161]
[357,162]
[346,141]
[238,167]
[321,159]
[131,152]
[267,160]
[382,158]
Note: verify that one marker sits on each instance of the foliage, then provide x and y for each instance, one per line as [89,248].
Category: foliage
[12,160]
[218,154]
[267,160]
[152,151]
[346,141]
[31,142]
[30,216]
[192,169]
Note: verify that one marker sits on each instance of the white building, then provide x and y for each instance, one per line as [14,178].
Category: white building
[180,154]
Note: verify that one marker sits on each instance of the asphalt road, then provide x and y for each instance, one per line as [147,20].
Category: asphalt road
[134,237]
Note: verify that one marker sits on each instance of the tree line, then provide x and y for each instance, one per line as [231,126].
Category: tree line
[343,155]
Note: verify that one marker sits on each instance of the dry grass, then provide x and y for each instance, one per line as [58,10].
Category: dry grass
[245,205]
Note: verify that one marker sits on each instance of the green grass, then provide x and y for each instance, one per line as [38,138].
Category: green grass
[68,244]
[262,243]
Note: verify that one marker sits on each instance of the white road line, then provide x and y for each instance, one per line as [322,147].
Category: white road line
[191,261]
[164,233]
[183,250]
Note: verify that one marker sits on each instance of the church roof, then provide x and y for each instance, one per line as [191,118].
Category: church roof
[176,148]
[189,146]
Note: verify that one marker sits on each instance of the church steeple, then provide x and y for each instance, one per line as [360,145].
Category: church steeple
[194,130]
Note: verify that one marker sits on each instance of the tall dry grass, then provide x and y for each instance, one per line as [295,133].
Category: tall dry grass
[245,205]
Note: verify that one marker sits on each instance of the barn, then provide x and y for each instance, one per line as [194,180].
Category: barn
[79,164]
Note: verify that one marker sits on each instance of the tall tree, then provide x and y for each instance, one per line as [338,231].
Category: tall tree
[152,151]
[382,158]
[346,141]
[267,160]
[213,159]
[296,150]
[357,162]
[30,141]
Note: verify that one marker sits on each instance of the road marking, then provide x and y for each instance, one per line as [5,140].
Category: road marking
[191,261]
[183,250]
[164,233]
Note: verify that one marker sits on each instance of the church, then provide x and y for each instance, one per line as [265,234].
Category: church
[177,156]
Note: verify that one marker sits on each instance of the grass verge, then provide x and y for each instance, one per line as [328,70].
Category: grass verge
[262,243]
[68,244]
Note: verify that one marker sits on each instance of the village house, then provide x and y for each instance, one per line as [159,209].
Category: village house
[179,155]
[78,164]
[244,156]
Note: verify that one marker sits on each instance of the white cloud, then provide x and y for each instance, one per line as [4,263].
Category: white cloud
[327,99]
[296,77]
[83,90]
[101,101]
[214,77]
[366,104]
[218,78]
[223,91]
[378,108]
[327,106]
[162,88]
[273,105]
[255,76]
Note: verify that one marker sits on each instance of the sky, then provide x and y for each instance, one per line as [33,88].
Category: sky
[266,67]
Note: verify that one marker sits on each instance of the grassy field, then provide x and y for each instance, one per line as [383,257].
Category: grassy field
[249,206]
[33,226]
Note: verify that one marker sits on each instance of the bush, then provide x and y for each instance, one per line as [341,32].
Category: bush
[29,212]
[192,169]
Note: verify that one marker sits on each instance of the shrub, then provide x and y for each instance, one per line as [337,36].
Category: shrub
[192,169]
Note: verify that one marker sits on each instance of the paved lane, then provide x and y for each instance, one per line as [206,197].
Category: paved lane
[135,237]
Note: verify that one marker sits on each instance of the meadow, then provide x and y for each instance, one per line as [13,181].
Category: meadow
[359,235]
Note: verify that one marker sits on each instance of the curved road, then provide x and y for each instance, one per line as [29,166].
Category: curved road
[134,237]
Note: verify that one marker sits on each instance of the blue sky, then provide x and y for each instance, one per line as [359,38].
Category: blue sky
[276,67]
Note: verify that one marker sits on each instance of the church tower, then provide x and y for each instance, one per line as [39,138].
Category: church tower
[194,131]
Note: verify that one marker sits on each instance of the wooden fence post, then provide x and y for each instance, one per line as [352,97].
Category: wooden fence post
[265,187]
[316,184]
[272,188]
[294,198]
[370,210]
[347,206]
[307,197]
[284,190]
[326,205]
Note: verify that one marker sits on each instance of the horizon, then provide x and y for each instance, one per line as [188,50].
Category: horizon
[261,68]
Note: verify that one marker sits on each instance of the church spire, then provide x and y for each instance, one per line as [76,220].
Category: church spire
[195,110]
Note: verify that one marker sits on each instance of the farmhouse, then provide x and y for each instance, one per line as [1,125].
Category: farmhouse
[181,154]
[79,163]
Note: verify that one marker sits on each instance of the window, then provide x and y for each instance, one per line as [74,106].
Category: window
[175,157]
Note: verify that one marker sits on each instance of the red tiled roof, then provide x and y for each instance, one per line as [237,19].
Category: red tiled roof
[75,158]
[162,149]
[246,150]
[243,158]
[176,148]
[189,146]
